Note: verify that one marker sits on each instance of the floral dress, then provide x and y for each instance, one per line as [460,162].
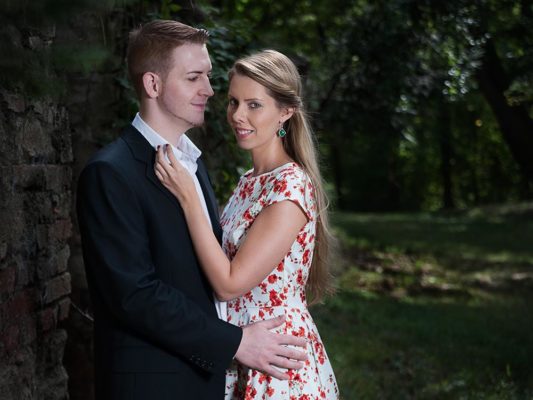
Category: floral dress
[282,292]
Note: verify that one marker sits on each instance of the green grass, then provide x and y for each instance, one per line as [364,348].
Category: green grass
[490,237]
[433,306]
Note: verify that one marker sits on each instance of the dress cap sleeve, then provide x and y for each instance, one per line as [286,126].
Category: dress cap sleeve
[294,185]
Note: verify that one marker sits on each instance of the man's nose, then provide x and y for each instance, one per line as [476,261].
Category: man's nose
[207,90]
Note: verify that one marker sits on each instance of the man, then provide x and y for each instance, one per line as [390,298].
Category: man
[157,335]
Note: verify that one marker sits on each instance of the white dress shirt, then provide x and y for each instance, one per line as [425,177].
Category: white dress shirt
[187,154]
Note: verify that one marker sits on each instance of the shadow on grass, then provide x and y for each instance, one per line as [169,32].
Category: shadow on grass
[496,239]
[384,348]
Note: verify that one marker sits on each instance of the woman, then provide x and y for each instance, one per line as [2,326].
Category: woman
[275,226]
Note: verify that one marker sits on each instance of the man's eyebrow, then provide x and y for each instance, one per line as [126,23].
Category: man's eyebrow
[198,72]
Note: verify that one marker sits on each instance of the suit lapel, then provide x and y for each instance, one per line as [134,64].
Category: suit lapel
[143,152]
[210,199]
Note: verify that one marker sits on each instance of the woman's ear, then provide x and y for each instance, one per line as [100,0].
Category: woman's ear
[152,84]
[287,113]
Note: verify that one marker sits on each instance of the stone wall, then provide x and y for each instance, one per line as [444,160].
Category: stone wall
[35,205]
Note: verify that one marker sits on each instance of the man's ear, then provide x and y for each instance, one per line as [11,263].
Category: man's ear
[287,113]
[152,84]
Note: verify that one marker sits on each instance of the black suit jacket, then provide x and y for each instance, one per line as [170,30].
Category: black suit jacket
[157,335]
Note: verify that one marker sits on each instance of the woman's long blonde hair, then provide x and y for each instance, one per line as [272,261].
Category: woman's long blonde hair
[278,74]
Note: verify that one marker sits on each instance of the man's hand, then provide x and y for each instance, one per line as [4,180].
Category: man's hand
[264,350]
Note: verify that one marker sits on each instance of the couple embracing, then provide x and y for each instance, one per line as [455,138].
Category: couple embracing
[187,305]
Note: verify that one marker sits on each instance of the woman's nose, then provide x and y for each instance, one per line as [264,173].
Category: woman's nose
[238,114]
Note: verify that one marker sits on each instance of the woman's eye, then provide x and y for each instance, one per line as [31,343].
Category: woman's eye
[194,78]
[232,102]
[254,105]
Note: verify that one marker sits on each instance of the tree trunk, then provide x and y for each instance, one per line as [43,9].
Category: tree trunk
[445,139]
[474,183]
[337,171]
[514,121]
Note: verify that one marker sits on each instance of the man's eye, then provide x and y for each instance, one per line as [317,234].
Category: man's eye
[194,78]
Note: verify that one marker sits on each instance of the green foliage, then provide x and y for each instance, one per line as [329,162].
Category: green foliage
[168,8]
[378,76]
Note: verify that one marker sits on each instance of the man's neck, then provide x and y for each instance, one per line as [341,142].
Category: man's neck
[160,125]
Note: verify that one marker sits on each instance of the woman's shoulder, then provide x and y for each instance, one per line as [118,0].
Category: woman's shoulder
[292,172]
[293,183]
[288,171]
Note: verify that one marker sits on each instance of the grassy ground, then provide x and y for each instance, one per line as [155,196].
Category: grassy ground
[433,306]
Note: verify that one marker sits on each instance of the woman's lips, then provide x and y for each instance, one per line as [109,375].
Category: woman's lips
[242,133]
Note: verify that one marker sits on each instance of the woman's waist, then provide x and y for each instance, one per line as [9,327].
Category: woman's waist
[265,302]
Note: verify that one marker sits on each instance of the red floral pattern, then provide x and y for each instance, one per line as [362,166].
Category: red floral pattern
[282,292]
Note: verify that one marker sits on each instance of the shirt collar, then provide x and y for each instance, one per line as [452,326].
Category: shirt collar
[185,151]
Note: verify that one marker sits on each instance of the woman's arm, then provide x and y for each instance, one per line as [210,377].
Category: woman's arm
[268,240]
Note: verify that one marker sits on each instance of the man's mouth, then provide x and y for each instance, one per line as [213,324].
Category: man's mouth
[200,105]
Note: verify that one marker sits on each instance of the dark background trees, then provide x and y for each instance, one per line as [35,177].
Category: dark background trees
[418,105]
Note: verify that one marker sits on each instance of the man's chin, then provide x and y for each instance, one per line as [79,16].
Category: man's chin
[195,124]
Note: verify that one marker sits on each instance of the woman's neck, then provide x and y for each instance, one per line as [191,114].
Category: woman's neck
[266,161]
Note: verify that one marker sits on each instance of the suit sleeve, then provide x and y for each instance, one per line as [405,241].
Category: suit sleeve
[115,241]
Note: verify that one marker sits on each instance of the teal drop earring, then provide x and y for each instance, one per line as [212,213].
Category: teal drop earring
[281,132]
